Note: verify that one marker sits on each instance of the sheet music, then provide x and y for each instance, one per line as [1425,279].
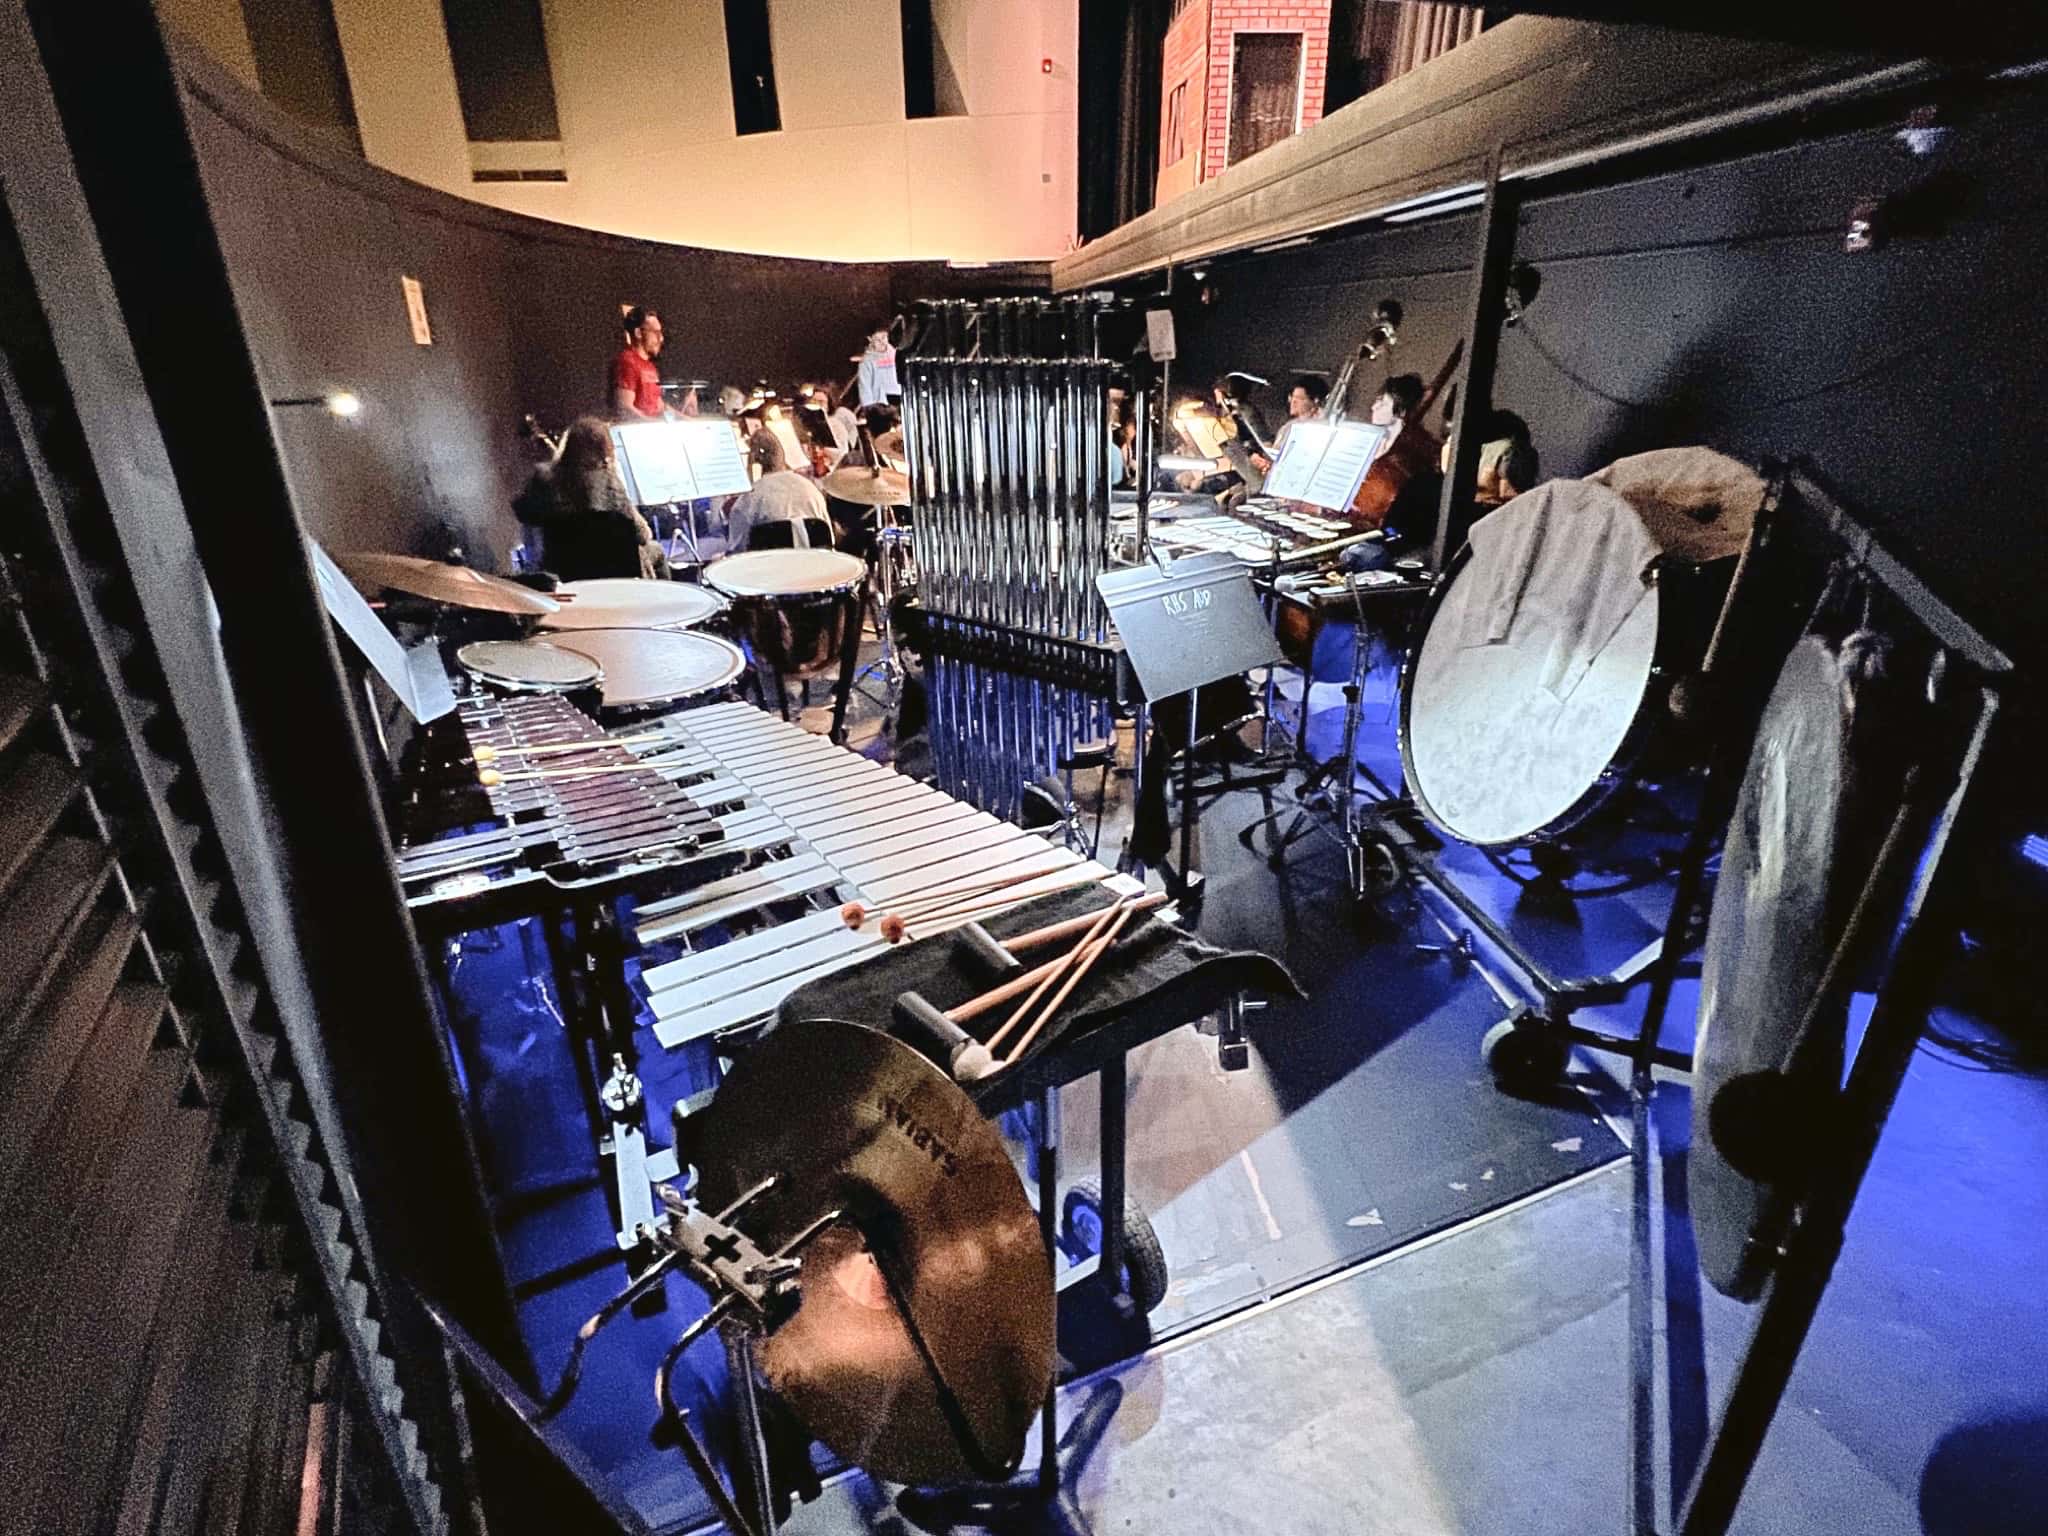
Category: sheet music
[1289,477]
[418,678]
[665,462]
[1352,448]
[1204,434]
[655,461]
[713,448]
[1323,463]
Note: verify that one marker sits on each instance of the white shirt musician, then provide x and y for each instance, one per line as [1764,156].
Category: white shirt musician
[784,509]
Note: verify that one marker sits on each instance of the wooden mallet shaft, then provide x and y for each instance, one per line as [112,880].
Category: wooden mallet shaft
[1095,951]
[1052,933]
[1052,974]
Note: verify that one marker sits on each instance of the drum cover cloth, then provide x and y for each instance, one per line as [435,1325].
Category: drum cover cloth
[1535,663]
[1697,504]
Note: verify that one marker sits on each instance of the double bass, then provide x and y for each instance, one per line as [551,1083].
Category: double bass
[1412,451]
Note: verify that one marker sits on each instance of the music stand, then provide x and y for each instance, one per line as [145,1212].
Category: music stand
[1186,623]
[672,465]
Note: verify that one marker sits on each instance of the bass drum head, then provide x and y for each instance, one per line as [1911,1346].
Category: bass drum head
[628,602]
[1491,754]
[529,666]
[648,668]
[785,573]
[1805,828]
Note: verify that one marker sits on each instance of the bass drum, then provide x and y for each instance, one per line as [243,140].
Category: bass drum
[1541,685]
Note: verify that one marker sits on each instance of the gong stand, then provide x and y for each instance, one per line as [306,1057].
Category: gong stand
[1963,683]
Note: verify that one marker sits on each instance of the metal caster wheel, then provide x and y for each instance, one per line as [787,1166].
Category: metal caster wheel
[1144,1270]
[1379,867]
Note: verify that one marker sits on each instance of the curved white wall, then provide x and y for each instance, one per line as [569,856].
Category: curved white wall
[645,105]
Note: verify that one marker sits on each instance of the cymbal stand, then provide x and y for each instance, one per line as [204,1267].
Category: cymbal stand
[890,536]
[1328,797]
[752,1290]
[682,536]
[1045,1495]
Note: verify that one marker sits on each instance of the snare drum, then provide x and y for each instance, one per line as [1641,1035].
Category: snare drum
[1542,680]
[658,669]
[793,606]
[529,666]
[622,602]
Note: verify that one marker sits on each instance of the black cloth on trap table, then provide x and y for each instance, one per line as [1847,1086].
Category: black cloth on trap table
[1153,979]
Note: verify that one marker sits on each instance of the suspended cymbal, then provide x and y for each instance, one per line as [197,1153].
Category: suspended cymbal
[444,583]
[868,487]
[853,1120]
[890,444]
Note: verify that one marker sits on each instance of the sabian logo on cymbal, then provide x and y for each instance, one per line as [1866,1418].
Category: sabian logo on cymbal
[921,1136]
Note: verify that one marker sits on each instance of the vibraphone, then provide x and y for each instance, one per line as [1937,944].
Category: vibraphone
[824,826]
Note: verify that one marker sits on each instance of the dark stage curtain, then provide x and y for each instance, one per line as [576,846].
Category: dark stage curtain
[1119,129]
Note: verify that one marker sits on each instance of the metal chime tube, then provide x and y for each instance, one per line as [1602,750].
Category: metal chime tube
[1007,429]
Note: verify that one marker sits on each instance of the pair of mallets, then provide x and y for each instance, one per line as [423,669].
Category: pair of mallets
[1046,987]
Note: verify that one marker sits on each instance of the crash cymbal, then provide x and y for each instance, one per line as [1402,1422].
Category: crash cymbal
[443,583]
[1822,781]
[890,444]
[851,1119]
[868,487]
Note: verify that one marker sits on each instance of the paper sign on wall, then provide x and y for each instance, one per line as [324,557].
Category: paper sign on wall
[416,310]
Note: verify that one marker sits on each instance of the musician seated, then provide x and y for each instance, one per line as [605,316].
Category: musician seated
[588,524]
[840,420]
[1508,462]
[1242,438]
[853,525]
[784,509]
[1304,403]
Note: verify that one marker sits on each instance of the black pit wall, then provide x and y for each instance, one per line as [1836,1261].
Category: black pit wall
[524,316]
[1718,306]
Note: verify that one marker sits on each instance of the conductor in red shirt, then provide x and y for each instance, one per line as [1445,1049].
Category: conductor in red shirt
[636,383]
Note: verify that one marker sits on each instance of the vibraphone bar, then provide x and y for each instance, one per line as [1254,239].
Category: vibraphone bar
[828,825]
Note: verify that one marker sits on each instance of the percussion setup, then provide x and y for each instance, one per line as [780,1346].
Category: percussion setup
[881,964]
[866,1245]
